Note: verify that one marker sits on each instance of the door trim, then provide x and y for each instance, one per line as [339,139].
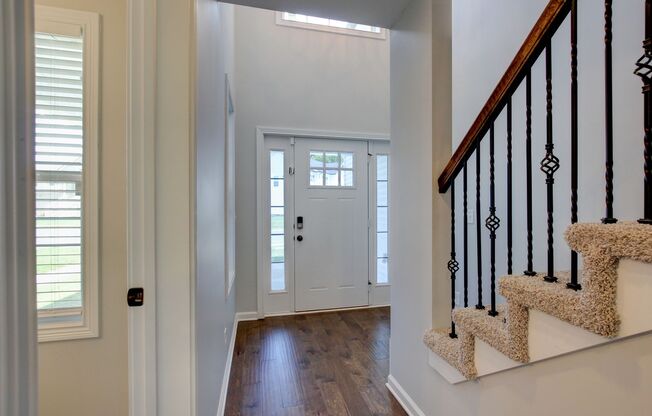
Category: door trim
[261,132]
[141,212]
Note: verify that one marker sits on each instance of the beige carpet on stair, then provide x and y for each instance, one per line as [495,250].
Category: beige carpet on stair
[592,308]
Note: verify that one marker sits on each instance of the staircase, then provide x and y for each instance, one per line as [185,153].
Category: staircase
[548,313]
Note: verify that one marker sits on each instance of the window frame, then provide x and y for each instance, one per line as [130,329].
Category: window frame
[66,22]
[382,35]
[339,170]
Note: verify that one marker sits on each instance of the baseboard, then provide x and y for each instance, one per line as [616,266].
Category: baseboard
[227,369]
[354,308]
[403,398]
[246,316]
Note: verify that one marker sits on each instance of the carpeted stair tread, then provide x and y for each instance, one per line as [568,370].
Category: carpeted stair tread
[624,239]
[458,352]
[552,298]
[506,332]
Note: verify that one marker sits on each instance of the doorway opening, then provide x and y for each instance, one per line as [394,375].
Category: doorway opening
[323,222]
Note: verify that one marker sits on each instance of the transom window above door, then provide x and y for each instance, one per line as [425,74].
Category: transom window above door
[332,169]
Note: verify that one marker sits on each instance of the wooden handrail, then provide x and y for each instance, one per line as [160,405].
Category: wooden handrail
[546,26]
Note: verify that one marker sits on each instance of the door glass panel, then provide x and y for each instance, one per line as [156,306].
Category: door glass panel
[277,219]
[381,247]
[346,178]
[278,248]
[381,219]
[332,160]
[276,164]
[382,271]
[382,193]
[278,277]
[316,159]
[331,178]
[346,160]
[277,192]
[316,177]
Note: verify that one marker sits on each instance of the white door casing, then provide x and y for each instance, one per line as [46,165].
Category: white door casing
[331,250]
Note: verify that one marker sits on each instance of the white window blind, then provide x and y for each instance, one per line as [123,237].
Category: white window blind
[59,155]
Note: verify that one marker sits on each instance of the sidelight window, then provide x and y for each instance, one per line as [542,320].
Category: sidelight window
[277,223]
[382,218]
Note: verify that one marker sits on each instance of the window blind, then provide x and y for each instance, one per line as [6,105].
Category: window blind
[59,150]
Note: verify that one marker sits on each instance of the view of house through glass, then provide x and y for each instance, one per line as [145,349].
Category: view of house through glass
[333,169]
[59,171]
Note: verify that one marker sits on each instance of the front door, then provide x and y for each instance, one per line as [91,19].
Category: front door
[331,224]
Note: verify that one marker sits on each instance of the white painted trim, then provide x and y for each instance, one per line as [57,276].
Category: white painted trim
[320,134]
[382,35]
[227,369]
[354,308]
[52,19]
[18,335]
[261,132]
[246,316]
[141,211]
[239,317]
[403,398]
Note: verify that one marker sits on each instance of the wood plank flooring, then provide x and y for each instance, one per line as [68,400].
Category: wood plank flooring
[333,364]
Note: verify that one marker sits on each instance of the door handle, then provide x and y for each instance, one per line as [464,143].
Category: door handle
[299,238]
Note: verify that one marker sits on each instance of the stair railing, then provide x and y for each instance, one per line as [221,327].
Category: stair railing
[539,43]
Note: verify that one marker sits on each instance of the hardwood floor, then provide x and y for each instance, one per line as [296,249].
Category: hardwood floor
[333,363]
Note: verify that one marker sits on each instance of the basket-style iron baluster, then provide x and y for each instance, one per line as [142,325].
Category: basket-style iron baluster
[492,222]
[453,265]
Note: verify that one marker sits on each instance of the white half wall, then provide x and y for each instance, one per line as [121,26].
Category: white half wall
[301,79]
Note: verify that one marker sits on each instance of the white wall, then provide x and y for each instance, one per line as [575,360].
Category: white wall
[605,380]
[296,78]
[477,69]
[72,377]
[214,308]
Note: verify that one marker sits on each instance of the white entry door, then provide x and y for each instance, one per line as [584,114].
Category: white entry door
[331,224]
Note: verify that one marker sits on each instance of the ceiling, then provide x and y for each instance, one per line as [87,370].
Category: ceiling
[381,13]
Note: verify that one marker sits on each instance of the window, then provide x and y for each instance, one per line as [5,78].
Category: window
[277,223]
[382,226]
[331,169]
[66,173]
[329,25]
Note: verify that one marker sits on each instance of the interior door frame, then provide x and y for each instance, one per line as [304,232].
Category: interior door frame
[288,133]
[141,204]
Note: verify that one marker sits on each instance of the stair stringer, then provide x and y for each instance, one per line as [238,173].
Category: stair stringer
[569,313]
